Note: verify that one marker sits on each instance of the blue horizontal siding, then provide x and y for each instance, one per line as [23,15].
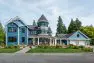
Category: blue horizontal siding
[12,34]
[74,36]
[23,35]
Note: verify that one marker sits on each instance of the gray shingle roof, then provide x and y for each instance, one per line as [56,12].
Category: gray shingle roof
[42,18]
[33,27]
[64,35]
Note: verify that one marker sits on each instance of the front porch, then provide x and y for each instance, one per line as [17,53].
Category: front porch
[62,41]
[46,40]
[42,40]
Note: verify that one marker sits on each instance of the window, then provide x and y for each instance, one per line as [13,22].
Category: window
[23,39]
[78,35]
[12,39]
[23,30]
[12,29]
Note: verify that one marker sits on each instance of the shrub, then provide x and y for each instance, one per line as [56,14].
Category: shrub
[16,46]
[58,46]
[6,47]
[39,46]
[70,46]
[46,46]
[3,45]
[12,47]
[81,47]
[42,46]
[75,47]
[52,47]
[88,49]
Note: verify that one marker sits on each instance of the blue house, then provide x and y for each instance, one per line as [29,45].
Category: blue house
[75,38]
[18,33]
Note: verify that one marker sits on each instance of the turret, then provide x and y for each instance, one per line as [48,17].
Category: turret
[43,24]
[42,21]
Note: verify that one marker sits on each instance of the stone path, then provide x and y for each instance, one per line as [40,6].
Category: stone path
[24,50]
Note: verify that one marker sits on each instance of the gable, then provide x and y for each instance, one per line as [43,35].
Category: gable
[17,21]
[11,24]
[78,36]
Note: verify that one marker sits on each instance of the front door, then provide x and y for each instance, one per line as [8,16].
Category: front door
[64,42]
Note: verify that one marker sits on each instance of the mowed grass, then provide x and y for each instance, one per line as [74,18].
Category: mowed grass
[8,50]
[54,50]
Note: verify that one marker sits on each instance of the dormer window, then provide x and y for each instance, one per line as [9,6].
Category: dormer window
[78,35]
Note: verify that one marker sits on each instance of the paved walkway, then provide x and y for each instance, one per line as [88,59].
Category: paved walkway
[24,50]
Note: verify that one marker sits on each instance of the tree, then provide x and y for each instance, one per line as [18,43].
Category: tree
[2,34]
[34,23]
[74,25]
[61,28]
[78,24]
[65,30]
[89,31]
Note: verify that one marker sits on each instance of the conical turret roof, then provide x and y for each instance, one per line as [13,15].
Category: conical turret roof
[42,18]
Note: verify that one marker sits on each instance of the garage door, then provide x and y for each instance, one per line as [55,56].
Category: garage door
[82,43]
[73,42]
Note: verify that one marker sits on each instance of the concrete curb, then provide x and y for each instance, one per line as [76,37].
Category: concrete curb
[59,54]
[66,54]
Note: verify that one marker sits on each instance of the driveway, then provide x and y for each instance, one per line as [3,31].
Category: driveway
[47,58]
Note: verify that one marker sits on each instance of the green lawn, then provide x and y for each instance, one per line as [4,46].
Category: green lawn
[8,50]
[54,50]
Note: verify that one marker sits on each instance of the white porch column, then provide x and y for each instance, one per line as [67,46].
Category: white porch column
[6,36]
[18,37]
[60,42]
[55,41]
[27,36]
[38,40]
[33,40]
[67,42]
[50,42]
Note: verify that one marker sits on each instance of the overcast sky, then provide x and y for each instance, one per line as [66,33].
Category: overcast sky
[29,10]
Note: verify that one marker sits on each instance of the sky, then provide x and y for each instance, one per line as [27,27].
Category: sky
[29,10]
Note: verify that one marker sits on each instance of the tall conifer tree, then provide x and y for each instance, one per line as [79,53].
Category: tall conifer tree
[34,23]
[74,25]
[78,24]
[61,28]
